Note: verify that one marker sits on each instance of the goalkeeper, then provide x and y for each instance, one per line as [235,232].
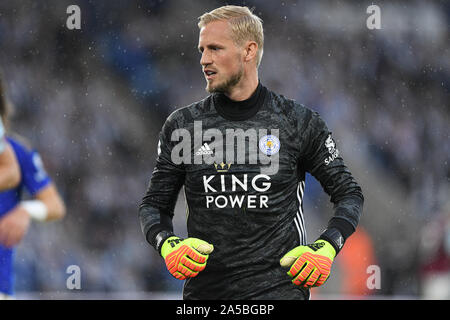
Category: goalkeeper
[246,230]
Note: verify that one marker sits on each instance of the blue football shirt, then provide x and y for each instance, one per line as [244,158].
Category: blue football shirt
[34,179]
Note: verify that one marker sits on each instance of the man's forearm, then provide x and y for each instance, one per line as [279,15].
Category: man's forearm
[347,213]
[156,224]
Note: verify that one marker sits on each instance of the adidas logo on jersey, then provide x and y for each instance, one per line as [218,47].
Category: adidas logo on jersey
[204,149]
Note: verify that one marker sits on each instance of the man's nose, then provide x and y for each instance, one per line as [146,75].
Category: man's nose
[206,58]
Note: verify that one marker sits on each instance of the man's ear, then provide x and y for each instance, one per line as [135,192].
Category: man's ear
[251,50]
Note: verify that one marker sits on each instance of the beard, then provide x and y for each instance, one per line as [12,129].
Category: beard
[228,84]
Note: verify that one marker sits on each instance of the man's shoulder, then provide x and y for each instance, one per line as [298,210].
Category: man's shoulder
[190,112]
[27,156]
[20,145]
[290,106]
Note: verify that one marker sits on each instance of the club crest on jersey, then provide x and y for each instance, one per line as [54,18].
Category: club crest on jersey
[269,145]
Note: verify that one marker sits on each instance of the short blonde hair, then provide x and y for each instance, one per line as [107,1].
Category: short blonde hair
[245,25]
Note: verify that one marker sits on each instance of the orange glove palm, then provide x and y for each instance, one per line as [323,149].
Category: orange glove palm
[185,258]
[310,265]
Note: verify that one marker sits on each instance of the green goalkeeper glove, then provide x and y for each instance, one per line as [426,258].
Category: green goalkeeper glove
[185,258]
[310,265]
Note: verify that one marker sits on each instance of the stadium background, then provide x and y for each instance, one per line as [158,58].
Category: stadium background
[92,101]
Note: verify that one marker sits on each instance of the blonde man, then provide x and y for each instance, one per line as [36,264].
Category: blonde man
[244,178]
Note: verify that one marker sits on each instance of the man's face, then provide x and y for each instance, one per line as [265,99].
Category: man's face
[222,60]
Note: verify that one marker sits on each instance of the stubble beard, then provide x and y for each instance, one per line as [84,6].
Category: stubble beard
[227,85]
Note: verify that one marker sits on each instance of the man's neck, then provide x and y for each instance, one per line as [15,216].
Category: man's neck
[244,89]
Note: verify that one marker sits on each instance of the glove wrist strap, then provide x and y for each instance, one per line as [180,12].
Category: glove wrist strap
[161,237]
[334,237]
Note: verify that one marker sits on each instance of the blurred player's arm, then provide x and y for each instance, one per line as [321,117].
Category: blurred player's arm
[47,205]
[9,168]
[51,199]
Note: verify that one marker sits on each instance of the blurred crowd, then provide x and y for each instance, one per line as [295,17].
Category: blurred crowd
[92,102]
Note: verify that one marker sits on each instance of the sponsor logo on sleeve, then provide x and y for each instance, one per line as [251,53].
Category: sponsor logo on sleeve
[332,150]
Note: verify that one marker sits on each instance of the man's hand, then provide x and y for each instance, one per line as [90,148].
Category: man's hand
[309,265]
[185,258]
[13,226]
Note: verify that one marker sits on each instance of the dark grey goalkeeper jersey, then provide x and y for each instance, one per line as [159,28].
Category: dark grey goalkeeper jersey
[244,178]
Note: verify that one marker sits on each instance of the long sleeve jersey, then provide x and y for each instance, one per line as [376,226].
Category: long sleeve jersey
[243,169]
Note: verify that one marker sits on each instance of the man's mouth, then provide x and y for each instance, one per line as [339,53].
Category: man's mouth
[209,74]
